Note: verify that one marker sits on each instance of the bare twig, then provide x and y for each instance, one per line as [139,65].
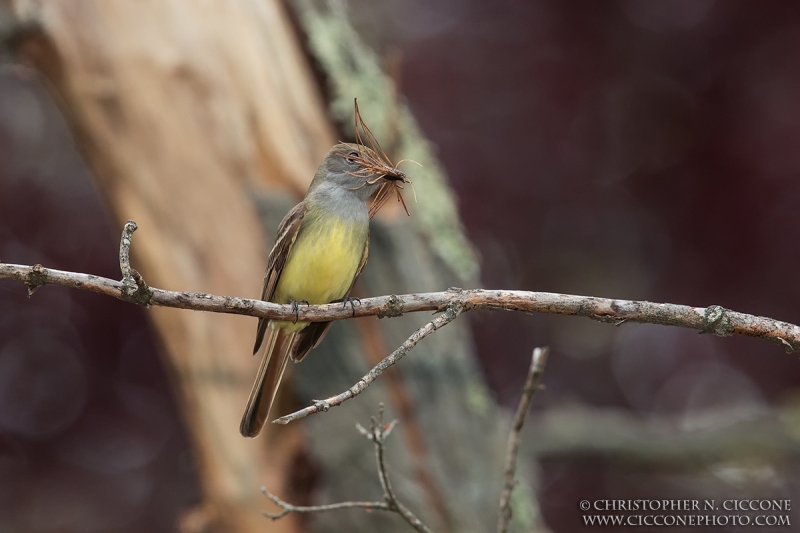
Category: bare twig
[134,289]
[538,360]
[453,310]
[287,508]
[374,349]
[125,251]
[713,319]
[377,433]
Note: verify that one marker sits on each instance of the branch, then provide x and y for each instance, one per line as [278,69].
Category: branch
[377,433]
[713,319]
[538,360]
[453,310]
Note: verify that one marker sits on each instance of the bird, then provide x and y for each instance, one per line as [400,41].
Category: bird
[321,248]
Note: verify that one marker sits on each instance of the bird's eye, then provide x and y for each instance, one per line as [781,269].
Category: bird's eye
[351,156]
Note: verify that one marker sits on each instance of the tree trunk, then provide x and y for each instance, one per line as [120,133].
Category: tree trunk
[183,109]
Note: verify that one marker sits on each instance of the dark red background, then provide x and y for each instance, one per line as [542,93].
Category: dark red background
[638,149]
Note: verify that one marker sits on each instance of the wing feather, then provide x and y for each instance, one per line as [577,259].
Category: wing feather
[287,233]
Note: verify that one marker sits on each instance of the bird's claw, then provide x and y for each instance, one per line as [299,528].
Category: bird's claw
[296,309]
[352,301]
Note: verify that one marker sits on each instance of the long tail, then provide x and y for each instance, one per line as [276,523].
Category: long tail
[265,388]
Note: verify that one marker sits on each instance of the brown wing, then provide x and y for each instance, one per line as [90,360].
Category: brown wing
[310,336]
[287,233]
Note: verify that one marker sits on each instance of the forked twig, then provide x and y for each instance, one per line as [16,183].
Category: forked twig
[538,360]
[714,319]
[443,319]
[377,433]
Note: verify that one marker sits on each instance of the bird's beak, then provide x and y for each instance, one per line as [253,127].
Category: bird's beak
[396,175]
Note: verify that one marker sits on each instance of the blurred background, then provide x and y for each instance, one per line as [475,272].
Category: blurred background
[638,149]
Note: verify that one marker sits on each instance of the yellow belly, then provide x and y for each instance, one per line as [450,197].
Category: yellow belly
[321,264]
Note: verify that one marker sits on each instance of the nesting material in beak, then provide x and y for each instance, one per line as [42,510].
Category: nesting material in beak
[377,167]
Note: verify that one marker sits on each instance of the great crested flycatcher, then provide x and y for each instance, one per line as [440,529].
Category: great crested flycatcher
[321,248]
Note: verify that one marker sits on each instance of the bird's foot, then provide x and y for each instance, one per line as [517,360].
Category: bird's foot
[296,309]
[352,301]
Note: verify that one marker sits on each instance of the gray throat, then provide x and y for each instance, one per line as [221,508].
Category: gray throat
[347,204]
